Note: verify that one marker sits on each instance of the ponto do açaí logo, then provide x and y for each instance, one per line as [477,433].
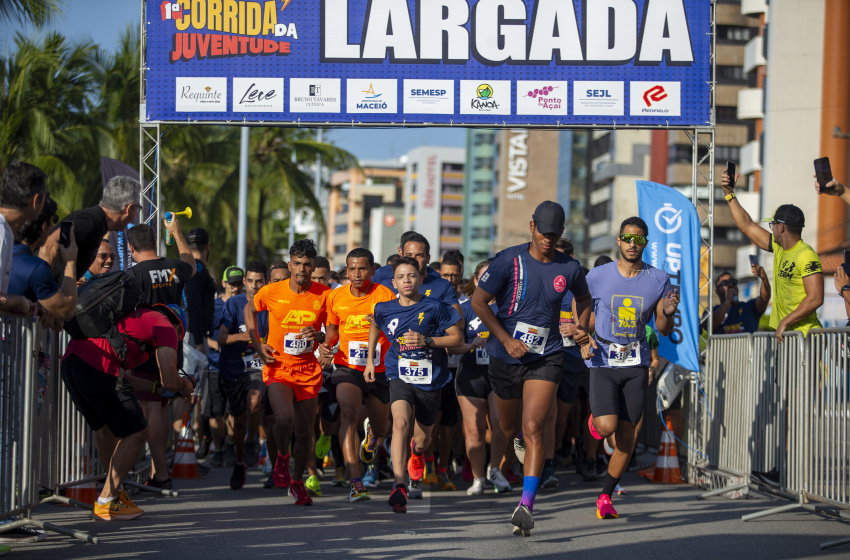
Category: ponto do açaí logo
[668,220]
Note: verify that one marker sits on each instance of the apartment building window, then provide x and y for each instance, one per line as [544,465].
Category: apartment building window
[450,232]
[452,189]
[727,114]
[599,212]
[484,139]
[341,228]
[601,145]
[727,153]
[340,250]
[479,233]
[482,163]
[452,210]
[481,209]
[482,187]
[735,33]
[344,209]
[452,168]
[727,74]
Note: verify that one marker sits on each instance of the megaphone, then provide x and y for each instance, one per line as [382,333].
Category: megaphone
[169,216]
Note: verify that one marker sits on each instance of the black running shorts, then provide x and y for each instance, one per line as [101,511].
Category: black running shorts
[618,391]
[507,379]
[237,391]
[473,380]
[576,376]
[426,404]
[448,405]
[379,387]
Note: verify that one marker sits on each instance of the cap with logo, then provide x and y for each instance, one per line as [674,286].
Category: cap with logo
[549,217]
[233,275]
[788,214]
[198,236]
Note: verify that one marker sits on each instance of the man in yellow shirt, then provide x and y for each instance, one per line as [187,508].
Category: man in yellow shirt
[797,272]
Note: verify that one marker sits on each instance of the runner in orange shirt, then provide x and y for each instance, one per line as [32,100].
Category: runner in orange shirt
[349,310]
[292,372]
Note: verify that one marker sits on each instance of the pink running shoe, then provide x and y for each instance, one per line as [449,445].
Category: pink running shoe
[592,428]
[281,474]
[604,509]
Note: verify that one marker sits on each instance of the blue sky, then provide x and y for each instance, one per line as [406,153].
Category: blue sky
[103,21]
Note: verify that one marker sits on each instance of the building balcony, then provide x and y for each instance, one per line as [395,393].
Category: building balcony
[751,104]
[750,158]
[754,54]
[753,7]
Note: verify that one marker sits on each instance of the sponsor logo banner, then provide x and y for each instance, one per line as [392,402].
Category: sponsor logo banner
[598,98]
[541,98]
[201,95]
[372,96]
[655,98]
[485,97]
[429,97]
[254,95]
[314,95]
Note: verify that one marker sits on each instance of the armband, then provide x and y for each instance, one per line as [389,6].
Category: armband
[729,196]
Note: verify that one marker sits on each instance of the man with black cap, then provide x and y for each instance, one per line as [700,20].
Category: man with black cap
[529,282]
[797,271]
[200,289]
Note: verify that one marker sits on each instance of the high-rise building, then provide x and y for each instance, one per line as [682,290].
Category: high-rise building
[433,196]
[479,200]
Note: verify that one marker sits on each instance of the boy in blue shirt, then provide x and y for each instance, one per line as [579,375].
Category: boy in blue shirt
[419,329]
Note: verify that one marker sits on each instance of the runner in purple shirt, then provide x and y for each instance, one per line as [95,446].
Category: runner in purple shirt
[626,294]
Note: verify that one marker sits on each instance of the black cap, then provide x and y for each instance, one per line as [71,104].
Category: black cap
[198,236]
[233,275]
[788,214]
[549,217]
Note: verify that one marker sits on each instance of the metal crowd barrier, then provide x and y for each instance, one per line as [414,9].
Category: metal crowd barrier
[776,406]
[46,444]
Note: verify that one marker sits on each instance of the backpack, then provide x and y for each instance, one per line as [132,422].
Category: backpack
[101,302]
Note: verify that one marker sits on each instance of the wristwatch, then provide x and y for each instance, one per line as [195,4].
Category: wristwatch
[843,289]
[429,340]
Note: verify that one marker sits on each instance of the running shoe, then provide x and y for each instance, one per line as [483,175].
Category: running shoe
[443,480]
[430,474]
[162,484]
[26,535]
[339,477]
[592,428]
[116,509]
[608,449]
[467,470]
[298,492]
[519,449]
[313,486]
[604,509]
[457,465]
[252,454]
[217,459]
[125,498]
[590,474]
[414,490]
[370,479]
[358,491]
[281,472]
[203,448]
[512,478]
[398,499]
[415,465]
[522,520]
[369,445]
[498,480]
[323,446]
[548,478]
[477,487]
[619,490]
[269,483]
[229,454]
[328,461]
[238,478]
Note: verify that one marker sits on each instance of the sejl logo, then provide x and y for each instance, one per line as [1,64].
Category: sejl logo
[201,95]
[314,95]
[541,98]
[483,98]
[604,98]
[258,95]
[430,97]
[372,96]
[655,99]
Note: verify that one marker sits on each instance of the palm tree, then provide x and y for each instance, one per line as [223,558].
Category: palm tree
[36,12]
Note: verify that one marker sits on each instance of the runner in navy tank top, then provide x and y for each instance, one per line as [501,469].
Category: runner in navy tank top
[529,282]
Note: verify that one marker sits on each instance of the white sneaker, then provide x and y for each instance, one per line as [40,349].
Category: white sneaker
[608,449]
[497,479]
[519,449]
[477,487]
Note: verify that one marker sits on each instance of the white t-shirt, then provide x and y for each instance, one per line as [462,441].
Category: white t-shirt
[7,241]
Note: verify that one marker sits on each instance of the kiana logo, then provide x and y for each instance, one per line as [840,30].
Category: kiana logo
[560,284]
[654,94]
[484,91]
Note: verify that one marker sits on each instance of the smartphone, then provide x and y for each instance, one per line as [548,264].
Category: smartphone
[754,260]
[731,170]
[65,233]
[846,264]
[823,172]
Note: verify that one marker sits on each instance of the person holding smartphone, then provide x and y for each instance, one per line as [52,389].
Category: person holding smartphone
[626,293]
[826,184]
[732,316]
[842,284]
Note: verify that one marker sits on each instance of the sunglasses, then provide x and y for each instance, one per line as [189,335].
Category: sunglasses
[105,256]
[774,222]
[629,237]
[727,283]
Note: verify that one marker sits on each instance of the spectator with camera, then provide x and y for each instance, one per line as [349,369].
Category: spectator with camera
[733,316]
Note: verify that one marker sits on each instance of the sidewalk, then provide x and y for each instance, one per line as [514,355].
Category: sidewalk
[210,521]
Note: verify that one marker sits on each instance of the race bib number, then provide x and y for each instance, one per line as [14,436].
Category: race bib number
[534,337]
[252,362]
[482,358]
[358,353]
[415,372]
[624,355]
[295,344]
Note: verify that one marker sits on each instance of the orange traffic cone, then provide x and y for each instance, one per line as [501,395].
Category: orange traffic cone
[86,493]
[185,460]
[666,469]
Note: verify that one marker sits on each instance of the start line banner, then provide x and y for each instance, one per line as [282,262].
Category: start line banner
[436,62]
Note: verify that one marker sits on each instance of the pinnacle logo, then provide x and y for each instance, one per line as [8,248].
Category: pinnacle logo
[654,94]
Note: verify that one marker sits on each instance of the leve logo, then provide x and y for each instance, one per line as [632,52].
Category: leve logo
[654,94]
